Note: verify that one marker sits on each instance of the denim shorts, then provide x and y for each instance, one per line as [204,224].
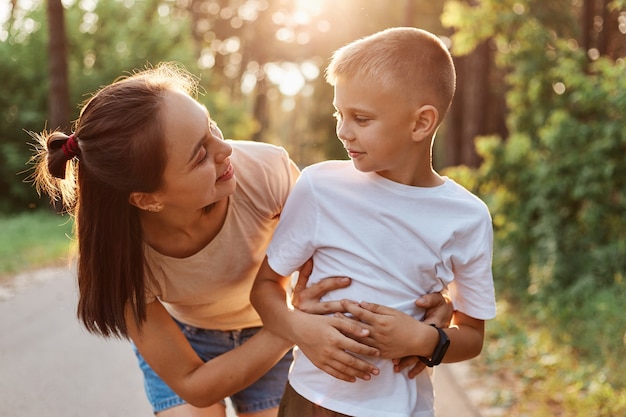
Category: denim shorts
[264,394]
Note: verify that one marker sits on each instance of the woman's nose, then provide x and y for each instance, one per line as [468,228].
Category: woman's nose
[222,151]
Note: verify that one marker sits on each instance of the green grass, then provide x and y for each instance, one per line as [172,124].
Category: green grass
[32,240]
[558,362]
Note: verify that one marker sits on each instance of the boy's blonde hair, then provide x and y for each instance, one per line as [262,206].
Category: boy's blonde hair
[411,61]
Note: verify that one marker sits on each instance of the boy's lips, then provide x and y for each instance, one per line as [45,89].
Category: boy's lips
[354,154]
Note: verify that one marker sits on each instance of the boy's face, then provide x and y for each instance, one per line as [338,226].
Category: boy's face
[375,126]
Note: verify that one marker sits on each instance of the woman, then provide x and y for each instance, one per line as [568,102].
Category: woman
[172,223]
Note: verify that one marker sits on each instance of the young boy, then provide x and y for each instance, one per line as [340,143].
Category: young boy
[392,224]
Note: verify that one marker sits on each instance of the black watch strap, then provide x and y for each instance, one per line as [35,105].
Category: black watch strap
[440,350]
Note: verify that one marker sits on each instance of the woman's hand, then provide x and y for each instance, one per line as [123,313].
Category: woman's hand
[308,299]
[439,309]
[327,341]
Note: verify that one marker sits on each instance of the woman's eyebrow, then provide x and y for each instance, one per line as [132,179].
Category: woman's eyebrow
[202,140]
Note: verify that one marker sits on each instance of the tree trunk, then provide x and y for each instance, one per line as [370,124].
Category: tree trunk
[261,109]
[454,120]
[475,103]
[611,41]
[586,19]
[58,96]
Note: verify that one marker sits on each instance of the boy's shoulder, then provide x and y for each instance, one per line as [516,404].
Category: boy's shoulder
[330,167]
[465,197]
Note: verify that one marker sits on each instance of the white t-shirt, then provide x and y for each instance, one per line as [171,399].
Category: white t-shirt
[397,243]
[211,289]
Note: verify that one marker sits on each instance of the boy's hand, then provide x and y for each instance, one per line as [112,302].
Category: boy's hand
[439,312]
[387,326]
[394,333]
[326,344]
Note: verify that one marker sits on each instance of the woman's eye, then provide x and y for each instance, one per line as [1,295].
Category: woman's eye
[204,154]
[361,120]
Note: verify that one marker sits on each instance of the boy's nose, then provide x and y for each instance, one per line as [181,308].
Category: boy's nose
[343,133]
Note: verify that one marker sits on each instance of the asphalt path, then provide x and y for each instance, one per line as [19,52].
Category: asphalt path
[51,367]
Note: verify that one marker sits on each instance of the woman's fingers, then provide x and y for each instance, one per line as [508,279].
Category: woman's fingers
[307,299]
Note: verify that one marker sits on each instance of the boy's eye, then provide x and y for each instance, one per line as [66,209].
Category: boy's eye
[361,119]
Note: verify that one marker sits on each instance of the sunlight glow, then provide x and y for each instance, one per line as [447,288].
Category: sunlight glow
[286,76]
[559,88]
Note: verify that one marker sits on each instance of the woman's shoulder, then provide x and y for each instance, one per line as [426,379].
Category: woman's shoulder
[258,151]
[265,174]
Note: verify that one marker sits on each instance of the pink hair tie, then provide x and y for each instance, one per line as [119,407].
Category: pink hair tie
[70,147]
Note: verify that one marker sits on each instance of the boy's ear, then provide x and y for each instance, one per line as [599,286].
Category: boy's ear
[426,121]
[145,201]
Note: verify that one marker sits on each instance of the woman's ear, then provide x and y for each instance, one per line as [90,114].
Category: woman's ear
[426,121]
[145,201]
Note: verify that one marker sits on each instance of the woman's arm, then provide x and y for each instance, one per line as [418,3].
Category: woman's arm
[167,351]
[321,338]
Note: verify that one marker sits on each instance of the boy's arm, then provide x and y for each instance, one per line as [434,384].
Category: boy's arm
[397,334]
[319,337]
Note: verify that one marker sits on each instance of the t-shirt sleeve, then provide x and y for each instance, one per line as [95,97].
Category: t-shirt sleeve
[287,175]
[472,290]
[293,241]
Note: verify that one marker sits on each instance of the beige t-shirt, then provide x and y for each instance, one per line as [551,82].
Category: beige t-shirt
[211,289]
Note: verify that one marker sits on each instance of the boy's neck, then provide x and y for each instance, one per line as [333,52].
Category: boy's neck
[416,179]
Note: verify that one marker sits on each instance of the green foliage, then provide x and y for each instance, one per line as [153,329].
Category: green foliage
[33,239]
[556,188]
[562,176]
[556,185]
[22,100]
[542,373]
[110,40]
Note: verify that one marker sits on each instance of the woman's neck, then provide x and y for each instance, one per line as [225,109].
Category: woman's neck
[181,235]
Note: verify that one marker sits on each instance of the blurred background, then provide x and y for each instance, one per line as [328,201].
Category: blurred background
[537,129]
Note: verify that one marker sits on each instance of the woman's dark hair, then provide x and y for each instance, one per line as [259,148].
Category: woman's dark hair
[120,149]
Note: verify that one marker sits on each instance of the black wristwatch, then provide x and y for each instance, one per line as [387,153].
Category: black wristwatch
[440,350]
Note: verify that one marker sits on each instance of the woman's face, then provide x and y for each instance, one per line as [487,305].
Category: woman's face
[198,171]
